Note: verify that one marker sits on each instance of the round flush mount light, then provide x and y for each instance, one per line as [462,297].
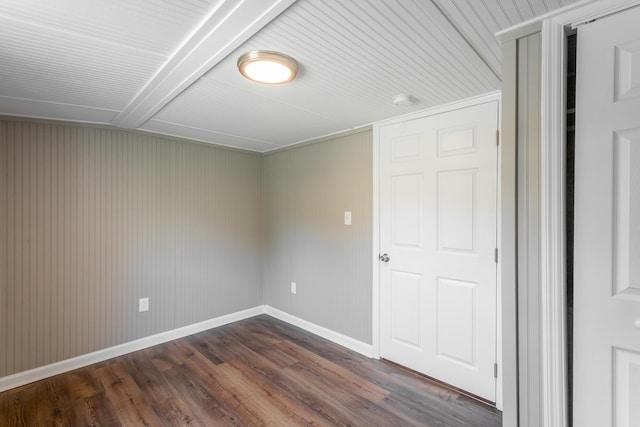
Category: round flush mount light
[268,67]
[403,100]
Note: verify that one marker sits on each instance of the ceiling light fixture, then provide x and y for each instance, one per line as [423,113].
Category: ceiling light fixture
[268,67]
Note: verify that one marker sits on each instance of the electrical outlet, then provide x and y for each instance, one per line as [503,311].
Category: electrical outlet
[294,287]
[143,304]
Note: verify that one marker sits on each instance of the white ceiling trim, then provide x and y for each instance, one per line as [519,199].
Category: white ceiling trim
[50,110]
[206,135]
[221,32]
[600,5]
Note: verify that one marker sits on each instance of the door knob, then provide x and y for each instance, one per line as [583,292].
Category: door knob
[384,257]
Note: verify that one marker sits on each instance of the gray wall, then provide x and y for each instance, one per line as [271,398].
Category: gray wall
[529,214]
[306,191]
[92,219]
[520,217]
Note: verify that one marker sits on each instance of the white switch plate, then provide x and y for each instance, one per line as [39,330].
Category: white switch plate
[143,304]
[294,287]
[347,217]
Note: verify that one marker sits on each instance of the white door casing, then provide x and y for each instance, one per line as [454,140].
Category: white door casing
[438,224]
[607,223]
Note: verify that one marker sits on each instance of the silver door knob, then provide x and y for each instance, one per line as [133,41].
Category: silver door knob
[384,257]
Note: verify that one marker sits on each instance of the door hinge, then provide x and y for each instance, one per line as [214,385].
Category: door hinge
[498,137]
[495,370]
[495,255]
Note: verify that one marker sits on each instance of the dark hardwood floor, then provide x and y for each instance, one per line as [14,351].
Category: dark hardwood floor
[259,371]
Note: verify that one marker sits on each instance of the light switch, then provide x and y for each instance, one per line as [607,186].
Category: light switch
[347,217]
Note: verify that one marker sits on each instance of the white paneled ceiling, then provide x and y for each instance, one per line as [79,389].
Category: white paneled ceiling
[479,20]
[169,66]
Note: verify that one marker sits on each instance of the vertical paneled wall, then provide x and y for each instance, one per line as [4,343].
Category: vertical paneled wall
[307,189]
[279,230]
[218,232]
[93,219]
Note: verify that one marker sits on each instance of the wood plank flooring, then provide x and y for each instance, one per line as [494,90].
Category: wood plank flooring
[257,372]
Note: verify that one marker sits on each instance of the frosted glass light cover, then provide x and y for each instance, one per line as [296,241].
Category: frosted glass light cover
[267,72]
[267,67]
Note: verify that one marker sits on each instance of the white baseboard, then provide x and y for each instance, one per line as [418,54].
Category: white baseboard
[42,372]
[345,341]
[36,374]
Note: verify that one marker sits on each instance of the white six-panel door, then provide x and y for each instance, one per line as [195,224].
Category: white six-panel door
[607,223]
[438,226]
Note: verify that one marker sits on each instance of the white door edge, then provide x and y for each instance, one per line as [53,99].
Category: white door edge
[483,99]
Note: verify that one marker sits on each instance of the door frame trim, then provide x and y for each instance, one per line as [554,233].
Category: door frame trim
[553,339]
[553,377]
[483,99]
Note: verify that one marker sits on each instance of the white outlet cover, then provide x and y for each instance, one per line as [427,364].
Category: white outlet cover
[143,304]
[294,287]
